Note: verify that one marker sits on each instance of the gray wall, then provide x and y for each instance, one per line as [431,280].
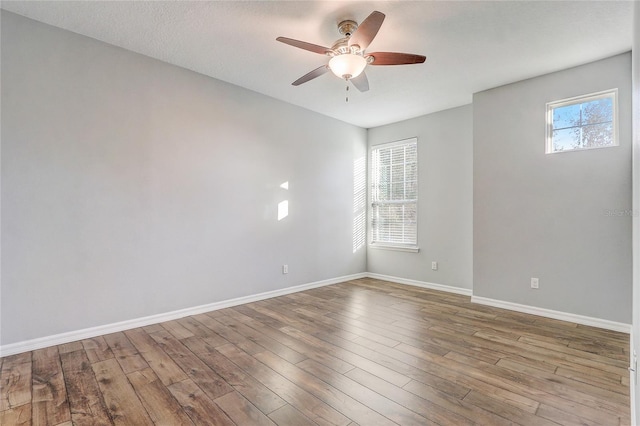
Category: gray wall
[131,187]
[635,333]
[444,201]
[539,215]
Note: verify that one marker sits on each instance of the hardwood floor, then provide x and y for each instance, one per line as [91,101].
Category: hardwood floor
[365,352]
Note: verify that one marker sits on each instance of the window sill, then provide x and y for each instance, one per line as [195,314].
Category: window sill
[395,248]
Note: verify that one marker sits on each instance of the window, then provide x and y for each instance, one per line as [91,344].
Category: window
[583,122]
[394,195]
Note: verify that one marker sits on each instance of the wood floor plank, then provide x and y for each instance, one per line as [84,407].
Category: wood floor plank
[361,329]
[544,391]
[297,345]
[368,304]
[380,403]
[539,333]
[457,372]
[508,411]
[408,367]
[124,405]
[362,352]
[206,378]
[429,413]
[241,411]
[198,406]
[263,340]
[615,337]
[125,353]
[17,416]
[17,358]
[153,328]
[229,334]
[164,366]
[429,402]
[543,359]
[289,416]
[85,399]
[422,337]
[576,391]
[199,345]
[162,407]
[298,320]
[386,373]
[199,330]
[614,383]
[49,404]
[591,389]
[259,395]
[599,348]
[569,419]
[177,329]
[97,349]
[307,403]
[330,395]
[70,347]
[617,359]
[15,381]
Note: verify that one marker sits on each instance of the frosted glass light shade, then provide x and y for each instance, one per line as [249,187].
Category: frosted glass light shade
[347,65]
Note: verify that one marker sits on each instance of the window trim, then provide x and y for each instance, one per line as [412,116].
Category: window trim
[412,248]
[550,106]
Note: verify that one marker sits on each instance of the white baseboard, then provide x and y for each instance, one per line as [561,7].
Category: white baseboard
[86,333]
[549,313]
[423,284]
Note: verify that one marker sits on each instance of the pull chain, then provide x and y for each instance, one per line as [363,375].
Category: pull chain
[346,99]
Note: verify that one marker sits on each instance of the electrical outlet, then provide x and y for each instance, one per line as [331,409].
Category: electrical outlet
[434,266]
[535,283]
[285,269]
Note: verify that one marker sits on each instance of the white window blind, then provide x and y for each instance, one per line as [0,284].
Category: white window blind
[394,194]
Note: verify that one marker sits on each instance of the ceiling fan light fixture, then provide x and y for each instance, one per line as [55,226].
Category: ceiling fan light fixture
[347,65]
[347,55]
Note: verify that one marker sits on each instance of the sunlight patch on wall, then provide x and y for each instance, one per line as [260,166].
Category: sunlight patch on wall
[283,209]
[359,203]
[283,206]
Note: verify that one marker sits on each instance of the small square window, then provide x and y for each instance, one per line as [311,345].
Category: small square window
[583,122]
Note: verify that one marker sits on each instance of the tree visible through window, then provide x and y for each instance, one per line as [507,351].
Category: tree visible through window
[394,194]
[582,123]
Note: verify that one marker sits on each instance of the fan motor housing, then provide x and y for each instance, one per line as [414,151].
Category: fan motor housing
[347,27]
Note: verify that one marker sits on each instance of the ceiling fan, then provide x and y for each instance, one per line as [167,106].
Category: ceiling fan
[348,57]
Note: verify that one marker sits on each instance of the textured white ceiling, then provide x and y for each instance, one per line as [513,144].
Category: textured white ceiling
[470,45]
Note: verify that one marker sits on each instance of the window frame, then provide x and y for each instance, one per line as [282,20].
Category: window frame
[577,100]
[407,247]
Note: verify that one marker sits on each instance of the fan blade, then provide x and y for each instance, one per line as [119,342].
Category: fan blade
[311,75]
[393,58]
[367,30]
[361,82]
[304,45]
